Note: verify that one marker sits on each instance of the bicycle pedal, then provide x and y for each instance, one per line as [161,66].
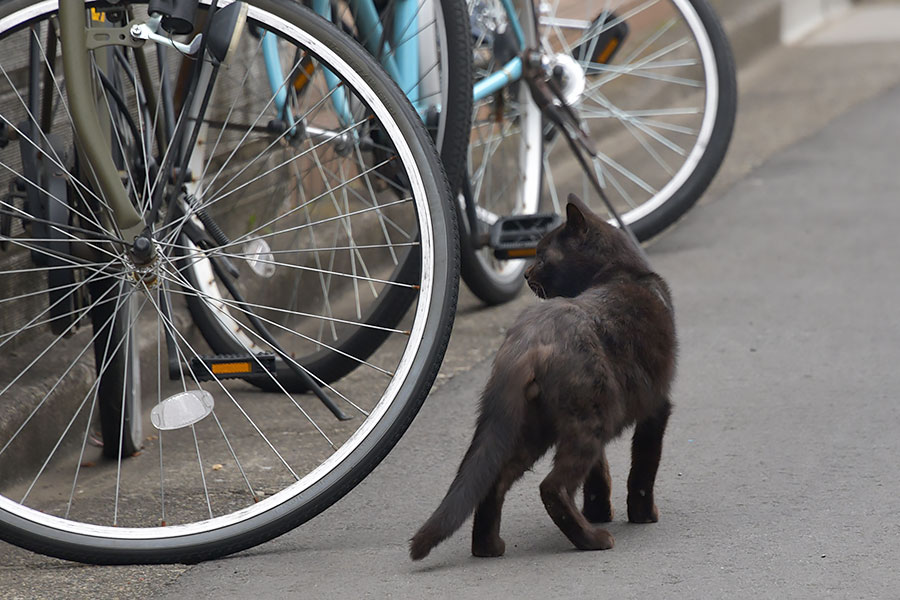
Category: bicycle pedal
[232,366]
[601,49]
[517,236]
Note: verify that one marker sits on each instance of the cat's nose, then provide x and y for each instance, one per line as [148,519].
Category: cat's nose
[528,272]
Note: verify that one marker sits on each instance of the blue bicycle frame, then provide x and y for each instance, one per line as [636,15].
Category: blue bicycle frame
[511,71]
[399,56]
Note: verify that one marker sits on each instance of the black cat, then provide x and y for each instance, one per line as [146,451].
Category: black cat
[574,371]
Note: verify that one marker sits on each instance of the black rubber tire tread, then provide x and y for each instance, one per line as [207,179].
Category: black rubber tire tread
[459,99]
[478,278]
[198,547]
[689,193]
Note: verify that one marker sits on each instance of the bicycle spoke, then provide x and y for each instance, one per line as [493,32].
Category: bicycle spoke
[118,138]
[638,65]
[72,420]
[58,381]
[316,107]
[183,359]
[247,307]
[212,152]
[242,308]
[10,335]
[34,184]
[53,158]
[206,204]
[174,331]
[373,202]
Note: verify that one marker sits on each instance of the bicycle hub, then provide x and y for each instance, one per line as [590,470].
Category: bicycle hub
[142,250]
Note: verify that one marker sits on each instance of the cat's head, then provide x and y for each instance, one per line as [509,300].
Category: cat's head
[583,251]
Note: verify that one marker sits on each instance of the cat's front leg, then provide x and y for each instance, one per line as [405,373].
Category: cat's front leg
[646,450]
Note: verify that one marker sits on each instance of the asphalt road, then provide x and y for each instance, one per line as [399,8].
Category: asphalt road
[779,474]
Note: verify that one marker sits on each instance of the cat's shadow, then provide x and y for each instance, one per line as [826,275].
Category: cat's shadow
[530,544]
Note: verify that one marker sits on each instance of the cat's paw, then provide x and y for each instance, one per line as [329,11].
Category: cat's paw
[488,547]
[642,511]
[598,512]
[596,539]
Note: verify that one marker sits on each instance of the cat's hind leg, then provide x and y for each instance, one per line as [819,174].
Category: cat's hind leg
[646,450]
[486,540]
[571,465]
[597,507]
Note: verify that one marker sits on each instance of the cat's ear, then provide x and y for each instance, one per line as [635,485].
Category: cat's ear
[575,219]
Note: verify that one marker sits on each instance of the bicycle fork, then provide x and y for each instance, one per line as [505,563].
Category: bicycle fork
[92,145]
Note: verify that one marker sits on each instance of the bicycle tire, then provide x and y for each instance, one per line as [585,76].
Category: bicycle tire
[696,184]
[454,140]
[278,509]
[503,176]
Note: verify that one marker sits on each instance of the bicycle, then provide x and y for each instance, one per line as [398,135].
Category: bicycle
[300,242]
[650,85]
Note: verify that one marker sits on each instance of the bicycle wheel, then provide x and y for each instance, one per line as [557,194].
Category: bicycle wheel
[654,86]
[435,35]
[504,157]
[304,193]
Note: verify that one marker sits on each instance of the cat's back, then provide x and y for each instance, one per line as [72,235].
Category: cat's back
[549,321]
[620,319]
[619,322]
[636,314]
[629,301]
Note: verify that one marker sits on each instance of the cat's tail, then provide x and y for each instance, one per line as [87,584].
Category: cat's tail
[496,434]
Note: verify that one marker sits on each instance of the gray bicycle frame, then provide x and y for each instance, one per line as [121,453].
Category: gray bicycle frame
[93,146]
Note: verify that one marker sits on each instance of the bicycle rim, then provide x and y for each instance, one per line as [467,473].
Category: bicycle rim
[238,465]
